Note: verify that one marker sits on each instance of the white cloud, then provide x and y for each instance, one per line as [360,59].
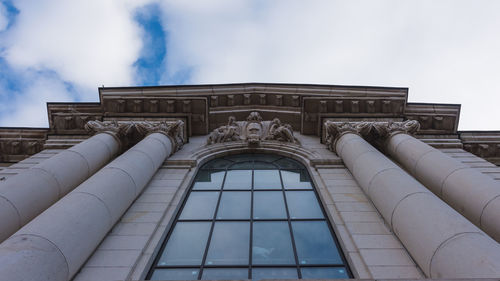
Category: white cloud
[87,43]
[29,109]
[444,51]
[4,20]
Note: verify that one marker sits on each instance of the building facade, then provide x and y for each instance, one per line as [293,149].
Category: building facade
[249,181]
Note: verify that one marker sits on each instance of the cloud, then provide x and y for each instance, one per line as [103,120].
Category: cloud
[28,108]
[88,43]
[443,51]
[57,50]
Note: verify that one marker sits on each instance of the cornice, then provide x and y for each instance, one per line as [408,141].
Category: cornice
[484,144]
[17,144]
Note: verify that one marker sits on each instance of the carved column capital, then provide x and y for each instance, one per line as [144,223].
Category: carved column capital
[334,130]
[113,128]
[385,130]
[174,130]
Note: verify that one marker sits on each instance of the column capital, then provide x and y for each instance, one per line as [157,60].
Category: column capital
[334,130]
[113,128]
[172,129]
[388,129]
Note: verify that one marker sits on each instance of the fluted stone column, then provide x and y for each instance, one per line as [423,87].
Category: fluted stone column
[27,194]
[442,242]
[468,191]
[55,245]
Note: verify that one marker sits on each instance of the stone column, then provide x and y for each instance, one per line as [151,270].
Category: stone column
[26,195]
[54,245]
[468,191]
[442,242]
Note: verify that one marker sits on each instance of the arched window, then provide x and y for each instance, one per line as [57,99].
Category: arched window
[250,216]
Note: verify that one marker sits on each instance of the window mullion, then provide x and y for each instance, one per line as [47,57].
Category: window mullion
[299,274]
[211,228]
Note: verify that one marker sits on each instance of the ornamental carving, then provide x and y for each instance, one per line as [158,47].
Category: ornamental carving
[253,131]
[386,129]
[118,129]
[334,130]
[133,131]
[371,131]
[175,130]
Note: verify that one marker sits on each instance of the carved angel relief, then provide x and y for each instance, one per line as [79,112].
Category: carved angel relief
[253,131]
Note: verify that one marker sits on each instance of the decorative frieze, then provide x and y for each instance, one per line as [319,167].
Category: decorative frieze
[17,144]
[253,131]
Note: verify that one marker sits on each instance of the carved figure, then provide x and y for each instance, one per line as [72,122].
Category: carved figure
[280,132]
[253,130]
[229,132]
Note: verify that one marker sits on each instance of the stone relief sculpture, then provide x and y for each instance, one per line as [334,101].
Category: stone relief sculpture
[253,131]
[280,131]
[229,132]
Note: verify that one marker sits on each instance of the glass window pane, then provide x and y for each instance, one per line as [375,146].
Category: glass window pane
[296,180]
[240,157]
[238,179]
[263,165]
[200,205]
[314,243]
[324,273]
[274,273]
[186,244]
[208,180]
[286,163]
[268,205]
[225,274]
[271,243]
[217,164]
[229,244]
[242,165]
[303,205]
[175,274]
[266,179]
[266,157]
[234,205]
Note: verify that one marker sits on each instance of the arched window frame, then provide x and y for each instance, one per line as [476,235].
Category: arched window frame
[209,165]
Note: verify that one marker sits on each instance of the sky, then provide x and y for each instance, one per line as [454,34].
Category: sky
[444,51]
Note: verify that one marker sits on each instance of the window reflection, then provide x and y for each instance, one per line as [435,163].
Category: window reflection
[200,205]
[229,244]
[296,180]
[272,243]
[314,243]
[238,179]
[274,273]
[266,179]
[209,180]
[268,205]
